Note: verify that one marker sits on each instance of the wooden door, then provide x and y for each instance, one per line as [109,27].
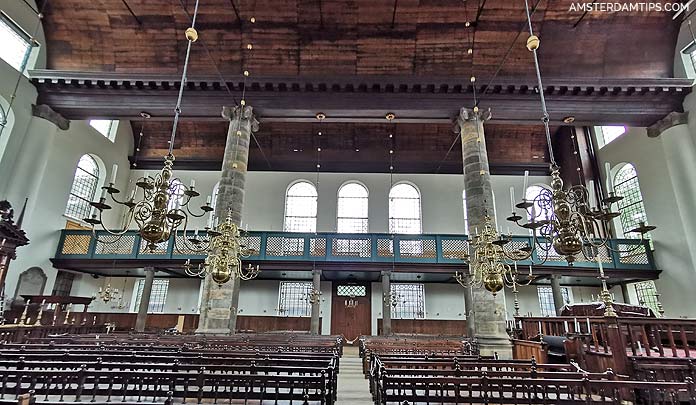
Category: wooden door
[350,309]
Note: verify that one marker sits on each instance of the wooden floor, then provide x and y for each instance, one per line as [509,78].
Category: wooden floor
[353,388]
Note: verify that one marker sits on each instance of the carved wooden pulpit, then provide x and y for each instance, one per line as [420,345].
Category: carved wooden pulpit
[11,237]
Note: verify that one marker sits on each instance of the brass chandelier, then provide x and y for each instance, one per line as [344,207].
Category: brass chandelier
[490,265]
[158,205]
[573,225]
[225,253]
[107,293]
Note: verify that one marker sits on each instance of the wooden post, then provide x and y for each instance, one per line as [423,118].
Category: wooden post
[617,345]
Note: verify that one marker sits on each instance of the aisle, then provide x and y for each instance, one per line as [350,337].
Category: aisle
[353,388]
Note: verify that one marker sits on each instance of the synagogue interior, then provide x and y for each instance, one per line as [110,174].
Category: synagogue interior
[347,202]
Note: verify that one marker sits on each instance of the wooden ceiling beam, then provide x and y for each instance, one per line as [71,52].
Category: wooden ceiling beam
[637,102]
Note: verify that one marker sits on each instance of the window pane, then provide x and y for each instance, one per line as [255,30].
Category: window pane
[647,295]
[83,189]
[409,300]
[632,208]
[158,296]
[293,298]
[404,210]
[176,191]
[105,127]
[301,208]
[546,300]
[611,132]
[14,46]
[352,209]
[466,214]
[540,209]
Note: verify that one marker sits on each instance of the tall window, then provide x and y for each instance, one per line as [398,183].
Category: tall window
[409,300]
[546,300]
[84,188]
[466,214]
[301,208]
[176,189]
[647,295]
[632,208]
[293,298]
[404,209]
[105,127]
[16,45]
[63,283]
[606,134]
[158,297]
[352,209]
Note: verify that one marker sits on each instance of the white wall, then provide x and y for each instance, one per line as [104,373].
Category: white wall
[441,197]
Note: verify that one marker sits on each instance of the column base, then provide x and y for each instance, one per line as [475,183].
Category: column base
[490,345]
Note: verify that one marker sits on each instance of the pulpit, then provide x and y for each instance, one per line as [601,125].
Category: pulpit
[11,237]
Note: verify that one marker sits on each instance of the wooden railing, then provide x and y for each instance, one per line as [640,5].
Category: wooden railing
[334,247]
[618,342]
[21,334]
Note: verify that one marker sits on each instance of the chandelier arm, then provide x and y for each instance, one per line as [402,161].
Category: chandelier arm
[197,248]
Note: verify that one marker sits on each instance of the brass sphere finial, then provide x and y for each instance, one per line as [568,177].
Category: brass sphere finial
[250,46]
[242,102]
[246,73]
[253,20]
[533,42]
[390,116]
[473,79]
[476,109]
[191,34]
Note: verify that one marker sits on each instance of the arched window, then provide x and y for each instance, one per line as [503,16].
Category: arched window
[84,188]
[540,210]
[404,209]
[301,208]
[466,215]
[632,208]
[176,189]
[352,209]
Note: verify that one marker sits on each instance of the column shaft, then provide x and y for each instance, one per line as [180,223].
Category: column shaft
[386,303]
[217,316]
[316,281]
[489,323]
[558,302]
[145,299]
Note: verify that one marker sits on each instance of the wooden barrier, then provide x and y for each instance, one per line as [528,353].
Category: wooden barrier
[527,349]
[22,333]
[455,327]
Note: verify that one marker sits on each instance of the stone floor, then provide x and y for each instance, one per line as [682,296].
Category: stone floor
[353,388]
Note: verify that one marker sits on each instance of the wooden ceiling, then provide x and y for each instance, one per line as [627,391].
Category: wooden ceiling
[346,147]
[356,37]
[355,60]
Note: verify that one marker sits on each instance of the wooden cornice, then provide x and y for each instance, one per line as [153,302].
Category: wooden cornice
[592,101]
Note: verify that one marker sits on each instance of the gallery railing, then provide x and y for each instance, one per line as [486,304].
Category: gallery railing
[369,247]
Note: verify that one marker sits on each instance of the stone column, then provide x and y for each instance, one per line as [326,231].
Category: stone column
[489,322]
[316,281]
[558,302]
[470,314]
[386,303]
[217,316]
[145,299]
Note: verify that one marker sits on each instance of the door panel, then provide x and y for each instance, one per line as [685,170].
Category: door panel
[350,309]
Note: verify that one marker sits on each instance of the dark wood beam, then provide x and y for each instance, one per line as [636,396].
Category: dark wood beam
[636,102]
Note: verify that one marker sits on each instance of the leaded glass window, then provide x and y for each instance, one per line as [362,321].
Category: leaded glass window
[15,43]
[631,206]
[608,133]
[546,306]
[301,208]
[466,214]
[352,209]
[84,188]
[158,296]
[293,298]
[105,127]
[404,209]
[213,204]
[541,210]
[647,295]
[176,191]
[408,301]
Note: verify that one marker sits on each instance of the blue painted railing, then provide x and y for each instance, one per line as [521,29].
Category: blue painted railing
[333,247]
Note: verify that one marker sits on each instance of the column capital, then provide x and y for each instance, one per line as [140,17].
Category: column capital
[468,114]
[670,120]
[243,112]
